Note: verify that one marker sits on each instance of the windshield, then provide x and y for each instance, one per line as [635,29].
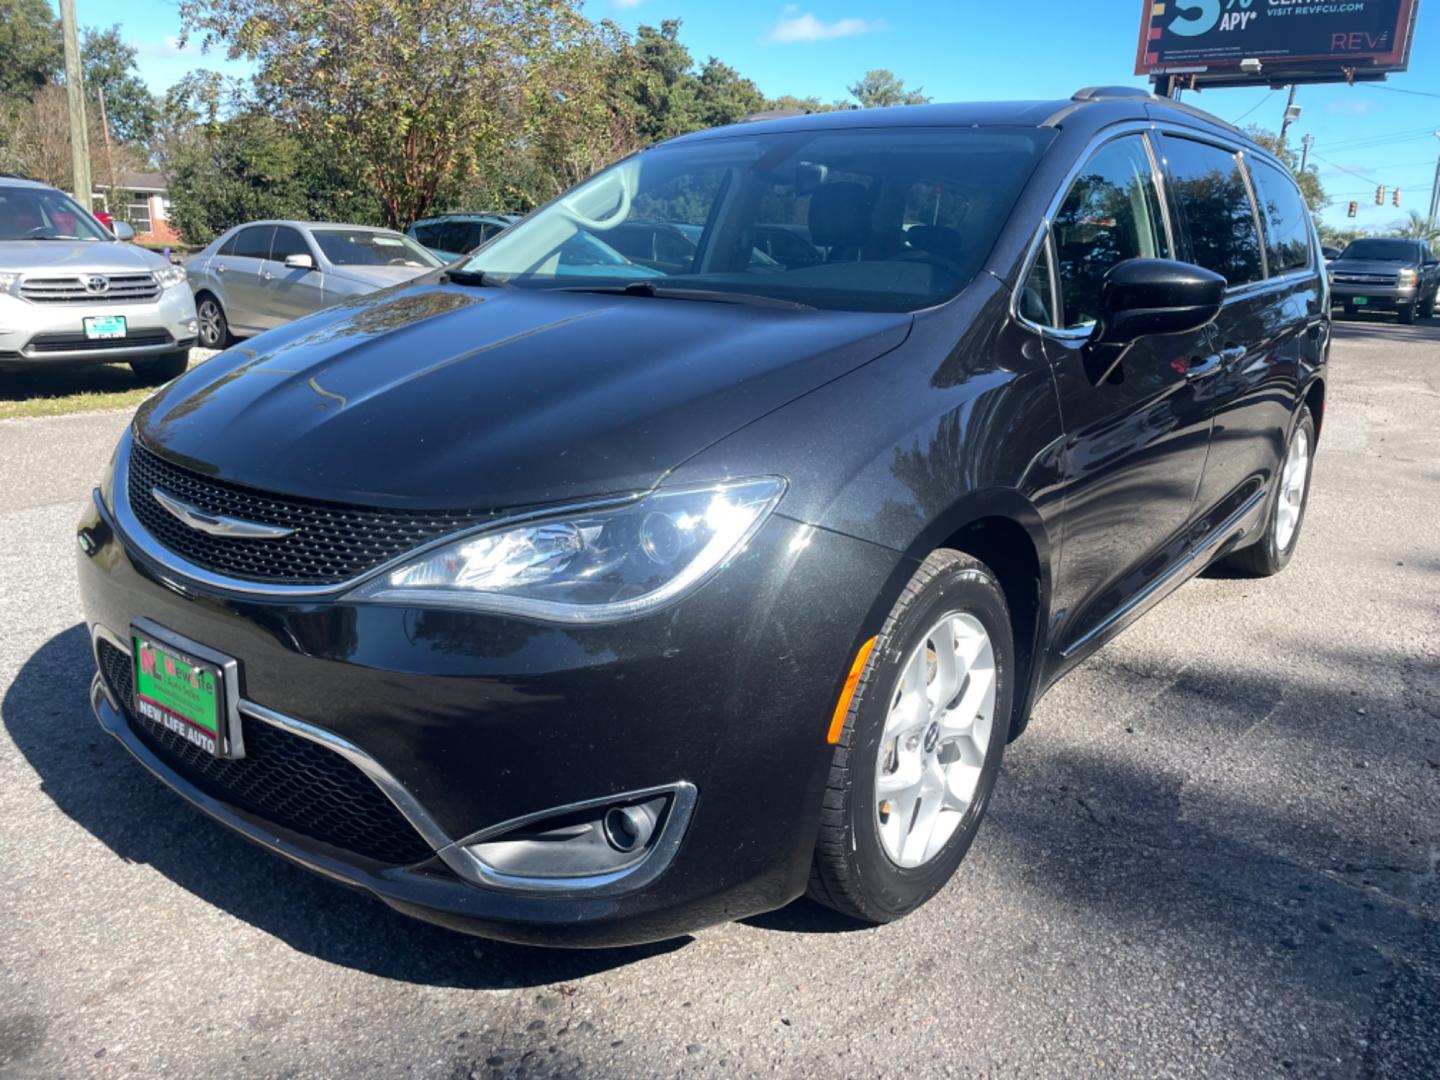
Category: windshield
[45,214]
[1383,250]
[365,247]
[876,219]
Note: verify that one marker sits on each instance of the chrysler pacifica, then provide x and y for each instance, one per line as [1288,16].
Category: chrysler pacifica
[583,607]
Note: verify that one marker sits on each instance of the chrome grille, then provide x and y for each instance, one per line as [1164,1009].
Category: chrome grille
[120,288]
[330,543]
[1365,279]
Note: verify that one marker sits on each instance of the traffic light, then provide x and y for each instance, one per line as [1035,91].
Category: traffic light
[1380,195]
[1354,206]
[1395,197]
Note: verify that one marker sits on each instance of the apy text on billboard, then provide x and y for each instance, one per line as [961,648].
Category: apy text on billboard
[1215,34]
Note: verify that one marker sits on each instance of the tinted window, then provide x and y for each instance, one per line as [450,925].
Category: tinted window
[1287,221]
[1383,250]
[426,234]
[1036,302]
[287,242]
[228,247]
[888,219]
[44,214]
[1111,213]
[1210,192]
[367,247]
[254,242]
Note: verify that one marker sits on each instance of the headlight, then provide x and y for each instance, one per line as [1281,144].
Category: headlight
[1408,276]
[589,565]
[7,280]
[170,276]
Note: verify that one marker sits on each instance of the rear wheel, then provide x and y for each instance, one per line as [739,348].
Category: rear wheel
[214,330]
[1272,551]
[921,744]
[1428,310]
[161,369]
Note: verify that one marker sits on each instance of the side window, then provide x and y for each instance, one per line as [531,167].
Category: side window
[287,242]
[424,234]
[1210,192]
[1111,213]
[228,248]
[1287,221]
[1036,298]
[254,242]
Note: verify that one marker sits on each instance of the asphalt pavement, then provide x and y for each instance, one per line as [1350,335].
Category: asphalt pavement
[1214,853]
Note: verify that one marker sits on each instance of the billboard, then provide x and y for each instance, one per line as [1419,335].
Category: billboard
[1317,37]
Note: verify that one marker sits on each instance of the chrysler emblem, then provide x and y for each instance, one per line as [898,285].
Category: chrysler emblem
[218,524]
[97,283]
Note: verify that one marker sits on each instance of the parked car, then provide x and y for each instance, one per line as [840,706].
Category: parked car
[451,236]
[265,273]
[72,292]
[1386,275]
[584,609]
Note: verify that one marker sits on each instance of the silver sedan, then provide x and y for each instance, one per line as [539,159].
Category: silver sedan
[262,274]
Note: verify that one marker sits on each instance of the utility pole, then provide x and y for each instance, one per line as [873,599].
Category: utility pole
[110,157]
[1290,113]
[1435,190]
[75,93]
[1305,150]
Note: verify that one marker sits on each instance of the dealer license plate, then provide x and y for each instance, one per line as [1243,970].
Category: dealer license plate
[179,692]
[99,327]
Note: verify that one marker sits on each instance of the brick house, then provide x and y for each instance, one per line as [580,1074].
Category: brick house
[146,207]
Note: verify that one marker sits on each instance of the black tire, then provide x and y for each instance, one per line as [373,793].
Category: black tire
[1428,311]
[1266,557]
[214,327]
[1408,312]
[161,369]
[851,871]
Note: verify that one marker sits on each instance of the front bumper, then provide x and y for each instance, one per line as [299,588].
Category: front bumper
[52,334]
[466,721]
[1379,297]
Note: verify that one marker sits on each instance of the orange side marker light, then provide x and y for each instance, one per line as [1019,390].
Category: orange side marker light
[842,707]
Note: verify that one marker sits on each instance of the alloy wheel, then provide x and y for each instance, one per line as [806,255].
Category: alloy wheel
[209,317]
[1292,489]
[933,746]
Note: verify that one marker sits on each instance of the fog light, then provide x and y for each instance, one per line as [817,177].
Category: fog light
[629,827]
[192,326]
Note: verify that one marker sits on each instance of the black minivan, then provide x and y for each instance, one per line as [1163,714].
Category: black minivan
[571,597]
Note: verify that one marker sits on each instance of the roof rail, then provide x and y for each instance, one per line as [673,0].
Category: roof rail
[1094,93]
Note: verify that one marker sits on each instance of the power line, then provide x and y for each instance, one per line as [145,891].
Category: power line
[1397,90]
[1252,108]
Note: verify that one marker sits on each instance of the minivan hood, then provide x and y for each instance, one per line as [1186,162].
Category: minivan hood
[76,256]
[448,397]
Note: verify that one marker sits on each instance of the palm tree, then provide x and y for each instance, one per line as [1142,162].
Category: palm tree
[1417,227]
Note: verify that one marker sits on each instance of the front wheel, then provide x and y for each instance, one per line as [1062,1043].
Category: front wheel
[1275,546]
[1409,311]
[214,330]
[921,744]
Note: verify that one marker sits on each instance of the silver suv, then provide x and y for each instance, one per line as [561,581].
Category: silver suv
[73,293]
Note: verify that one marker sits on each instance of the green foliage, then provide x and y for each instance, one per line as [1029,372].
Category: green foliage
[108,63]
[879,88]
[1416,226]
[30,50]
[1309,180]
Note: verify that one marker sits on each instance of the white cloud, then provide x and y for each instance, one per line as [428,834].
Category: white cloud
[623,5]
[795,26]
[1358,107]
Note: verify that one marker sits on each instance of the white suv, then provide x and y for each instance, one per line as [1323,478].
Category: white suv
[73,293]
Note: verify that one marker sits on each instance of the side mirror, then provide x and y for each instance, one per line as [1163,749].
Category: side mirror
[299,262]
[123,231]
[1148,297]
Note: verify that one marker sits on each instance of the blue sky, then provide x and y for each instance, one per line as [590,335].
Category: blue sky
[970,49]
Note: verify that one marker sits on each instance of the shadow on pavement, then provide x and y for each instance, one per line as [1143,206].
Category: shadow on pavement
[99,786]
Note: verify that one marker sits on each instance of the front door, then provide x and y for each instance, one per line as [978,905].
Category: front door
[290,293]
[1135,440]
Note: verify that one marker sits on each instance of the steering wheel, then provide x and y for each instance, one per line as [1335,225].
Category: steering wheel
[38,231]
[399,260]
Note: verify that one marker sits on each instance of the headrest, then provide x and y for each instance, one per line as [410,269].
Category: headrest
[839,215]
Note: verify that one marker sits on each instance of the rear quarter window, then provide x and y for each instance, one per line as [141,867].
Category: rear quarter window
[1286,219]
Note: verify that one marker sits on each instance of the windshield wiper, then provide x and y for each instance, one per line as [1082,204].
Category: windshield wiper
[682,292]
[476,278]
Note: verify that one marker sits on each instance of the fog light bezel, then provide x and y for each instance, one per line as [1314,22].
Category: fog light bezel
[650,861]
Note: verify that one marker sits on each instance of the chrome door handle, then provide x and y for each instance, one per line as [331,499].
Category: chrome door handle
[219,269]
[1201,367]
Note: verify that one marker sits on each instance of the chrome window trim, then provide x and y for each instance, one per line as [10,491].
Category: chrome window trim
[466,865]
[122,516]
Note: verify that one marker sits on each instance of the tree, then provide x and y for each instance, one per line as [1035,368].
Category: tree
[418,91]
[108,63]
[663,89]
[30,50]
[806,104]
[724,96]
[1311,188]
[1416,226]
[880,88]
